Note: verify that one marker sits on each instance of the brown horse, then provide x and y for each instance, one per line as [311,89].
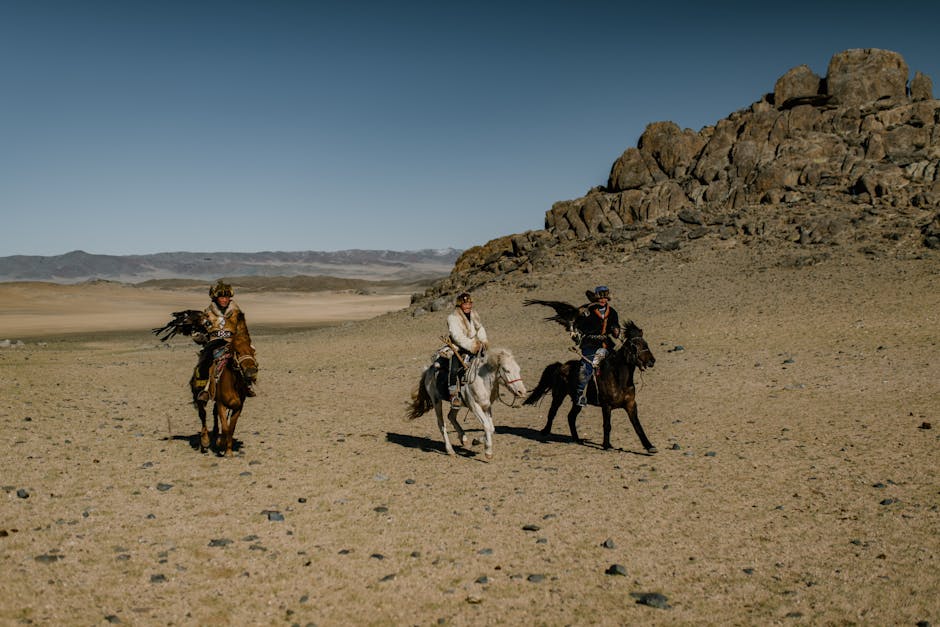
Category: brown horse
[228,388]
[612,388]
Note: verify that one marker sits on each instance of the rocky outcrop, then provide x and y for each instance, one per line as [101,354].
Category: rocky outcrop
[810,164]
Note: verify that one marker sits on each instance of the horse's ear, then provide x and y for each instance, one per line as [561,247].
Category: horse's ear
[591,296]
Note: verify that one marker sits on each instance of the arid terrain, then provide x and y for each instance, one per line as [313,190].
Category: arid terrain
[797,482]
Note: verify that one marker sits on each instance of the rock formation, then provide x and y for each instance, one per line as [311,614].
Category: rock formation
[820,161]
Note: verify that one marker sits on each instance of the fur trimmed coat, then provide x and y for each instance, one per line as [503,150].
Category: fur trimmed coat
[469,335]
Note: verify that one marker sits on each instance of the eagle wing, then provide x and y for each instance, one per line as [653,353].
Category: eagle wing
[183,323]
[565,313]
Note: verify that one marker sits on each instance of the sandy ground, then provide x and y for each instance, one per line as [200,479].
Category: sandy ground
[796,481]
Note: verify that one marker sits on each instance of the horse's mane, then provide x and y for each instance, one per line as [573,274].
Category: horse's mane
[496,356]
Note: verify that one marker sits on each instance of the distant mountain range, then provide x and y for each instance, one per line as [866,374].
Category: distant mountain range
[376,265]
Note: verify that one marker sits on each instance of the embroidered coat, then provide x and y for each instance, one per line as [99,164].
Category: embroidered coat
[595,325]
[229,325]
[469,335]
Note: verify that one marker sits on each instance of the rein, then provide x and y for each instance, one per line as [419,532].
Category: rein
[499,391]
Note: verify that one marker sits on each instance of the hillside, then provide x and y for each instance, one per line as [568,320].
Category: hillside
[841,164]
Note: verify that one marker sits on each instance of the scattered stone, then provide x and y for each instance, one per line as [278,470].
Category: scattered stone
[536,578]
[113,619]
[22,493]
[163,487]
[388,577]
[159,578]
[652,599]
[377,556]
[924,425]
[482,580]
[888,502]
[531,528]
[474,599]
[381,509]
[49,558]
[711,454]
[748,571]
[485,552]
[220,542]
[616,569]
[675,447]
[608,544]
[409,481]
[301,500]
[274,516]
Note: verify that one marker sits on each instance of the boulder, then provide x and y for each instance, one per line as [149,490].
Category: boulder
[865,75]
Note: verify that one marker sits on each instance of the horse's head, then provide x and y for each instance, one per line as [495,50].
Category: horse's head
[249,367]
[638,349]
[508,371]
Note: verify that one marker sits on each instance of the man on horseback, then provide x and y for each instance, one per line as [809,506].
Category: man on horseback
[223,320]
[596,323]
[467,340]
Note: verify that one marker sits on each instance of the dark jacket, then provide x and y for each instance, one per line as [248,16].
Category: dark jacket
[596,328]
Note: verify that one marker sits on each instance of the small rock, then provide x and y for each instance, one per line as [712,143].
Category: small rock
[22,493]
[163,487]
[381,509]
[220,542]
[483,580]
[924,425]
[158,578]
[652,599]
[377,556]
[616,569]
[275,516]
[531,528]
[48,558]
[608,544]
[536,578]
[888,502]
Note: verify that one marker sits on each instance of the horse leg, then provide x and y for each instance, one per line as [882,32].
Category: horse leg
[443,427]
[573,420]
[230,432]
[221,415]
[635,421]
[606,410]
[204,433]
[487,421]
[557,400]
[452,417]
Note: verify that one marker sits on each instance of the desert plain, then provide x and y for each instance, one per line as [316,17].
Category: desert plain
[795,409]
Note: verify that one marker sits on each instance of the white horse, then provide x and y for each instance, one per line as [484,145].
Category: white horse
[484,377]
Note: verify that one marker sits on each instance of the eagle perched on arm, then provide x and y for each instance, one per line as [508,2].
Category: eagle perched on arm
[190,322]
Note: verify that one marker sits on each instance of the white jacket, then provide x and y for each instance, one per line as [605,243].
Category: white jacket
[467,334]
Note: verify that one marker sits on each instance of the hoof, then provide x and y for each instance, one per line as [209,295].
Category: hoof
[652,450]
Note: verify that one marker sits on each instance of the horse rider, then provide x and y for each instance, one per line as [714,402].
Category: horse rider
[223,320]
[468,337]
[596,323]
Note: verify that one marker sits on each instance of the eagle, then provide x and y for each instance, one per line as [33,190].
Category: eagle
[565,313]
[183,323]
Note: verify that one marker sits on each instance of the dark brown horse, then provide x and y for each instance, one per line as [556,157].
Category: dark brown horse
[612,388]
[229,375]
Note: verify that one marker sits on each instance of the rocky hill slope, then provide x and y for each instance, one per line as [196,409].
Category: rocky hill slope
[848,161]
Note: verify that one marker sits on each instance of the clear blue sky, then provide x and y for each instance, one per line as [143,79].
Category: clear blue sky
[138,127]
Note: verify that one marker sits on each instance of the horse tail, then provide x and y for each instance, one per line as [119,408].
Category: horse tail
[421,401]
[549,376]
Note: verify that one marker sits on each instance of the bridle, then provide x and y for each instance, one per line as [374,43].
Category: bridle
[501,376]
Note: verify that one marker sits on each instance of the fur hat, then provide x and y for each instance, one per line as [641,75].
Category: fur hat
[221,288]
